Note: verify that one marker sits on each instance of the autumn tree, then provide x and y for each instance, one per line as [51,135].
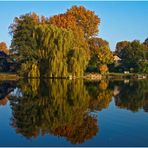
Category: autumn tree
[64,43]
[33,42]
[96,43]
[87,20]
[100,54]
[4,48]
[84,23]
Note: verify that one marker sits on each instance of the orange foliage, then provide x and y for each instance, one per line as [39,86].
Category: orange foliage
[64,21]
[4,101]
[78,134]
[103,85]
[68,21]
[78,18]
[96,43]
[3,47]
[86,19]
[103,68]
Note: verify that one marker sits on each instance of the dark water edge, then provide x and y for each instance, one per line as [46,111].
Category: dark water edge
[74,113]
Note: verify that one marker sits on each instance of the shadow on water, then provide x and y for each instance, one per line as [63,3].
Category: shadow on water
[6,87]
[64,107]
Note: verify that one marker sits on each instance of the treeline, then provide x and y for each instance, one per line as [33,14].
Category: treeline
[59,46]
[133,57]
[67,44]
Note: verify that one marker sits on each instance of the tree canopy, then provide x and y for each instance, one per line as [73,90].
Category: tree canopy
[133,55]
[57,46]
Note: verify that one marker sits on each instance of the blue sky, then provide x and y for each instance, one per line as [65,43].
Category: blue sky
[119,20]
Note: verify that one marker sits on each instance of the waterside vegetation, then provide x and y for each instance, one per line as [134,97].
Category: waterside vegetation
[67,46]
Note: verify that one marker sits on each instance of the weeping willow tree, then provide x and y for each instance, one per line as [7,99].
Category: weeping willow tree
[77,61]
[44,111]
[58,53]
[45,50]
[53,45]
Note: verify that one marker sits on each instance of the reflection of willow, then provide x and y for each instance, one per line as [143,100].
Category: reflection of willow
[45,107]
[132,95]
[6,87]
[100,94]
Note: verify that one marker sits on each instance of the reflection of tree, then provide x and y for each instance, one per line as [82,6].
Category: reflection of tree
[62,107]
[45,107]
[5,89]
[77,134]
[100,94]
[4,100]
[132,95]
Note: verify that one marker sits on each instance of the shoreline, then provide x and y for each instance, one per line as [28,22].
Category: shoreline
[87,76]
[8,77]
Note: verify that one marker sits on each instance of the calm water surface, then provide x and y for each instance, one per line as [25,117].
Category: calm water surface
[74,113]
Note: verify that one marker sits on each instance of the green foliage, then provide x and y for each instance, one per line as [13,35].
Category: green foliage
[100,95]
[29,69]
[143,66]
[23,43]
[131,54]
[76,63]
[100,53]
[45,50]
[132,95]
[105,56]
[53,45]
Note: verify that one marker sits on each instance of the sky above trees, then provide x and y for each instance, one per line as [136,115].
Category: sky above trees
[119,20]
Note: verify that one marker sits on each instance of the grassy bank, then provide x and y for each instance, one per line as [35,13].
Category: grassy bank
[88,76]
[126,76]
[8,76]
[97,76]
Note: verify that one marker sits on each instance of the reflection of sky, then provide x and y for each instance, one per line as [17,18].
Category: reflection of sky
[117,127]
[119,20]
[17,92]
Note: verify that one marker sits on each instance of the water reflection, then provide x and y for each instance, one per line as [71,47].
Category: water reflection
[100,94]
[132,95]
[63,107]
[5,91]
[58,107]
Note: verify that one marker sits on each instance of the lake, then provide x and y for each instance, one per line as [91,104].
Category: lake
[74,113]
